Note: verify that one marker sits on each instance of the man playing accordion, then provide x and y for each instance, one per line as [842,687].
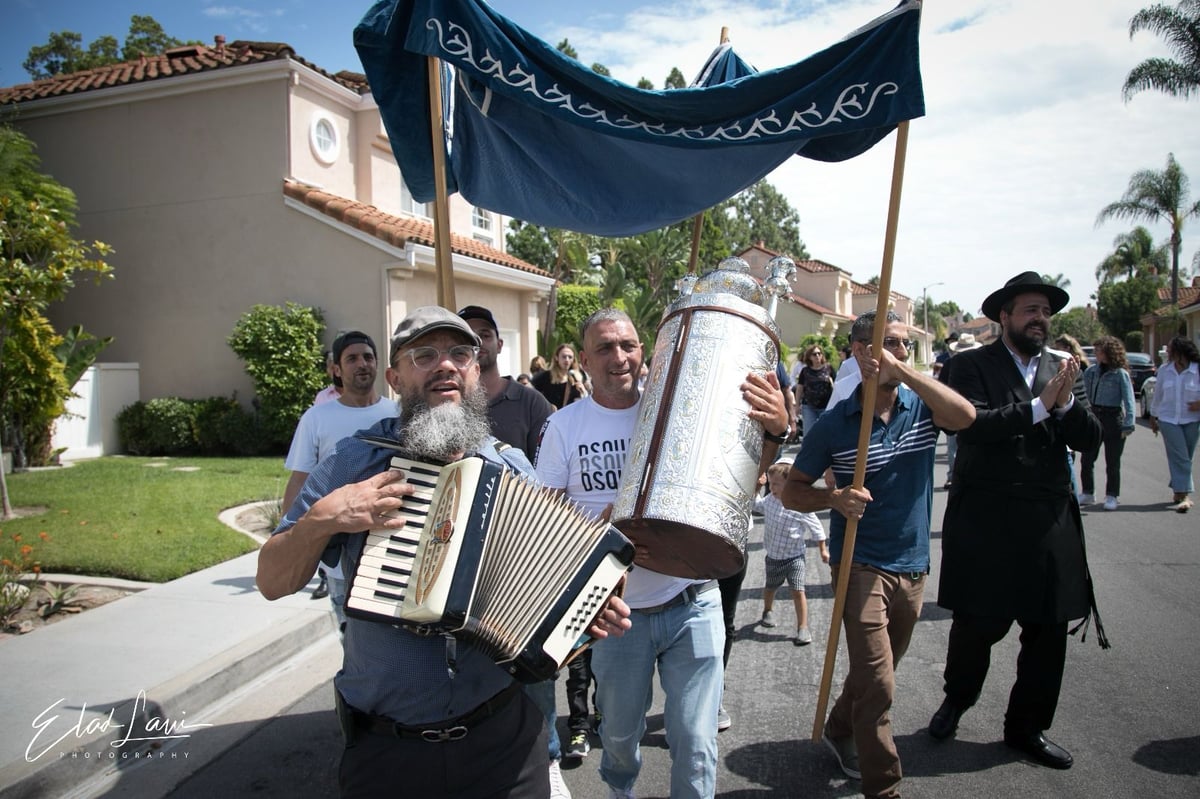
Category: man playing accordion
[421,714]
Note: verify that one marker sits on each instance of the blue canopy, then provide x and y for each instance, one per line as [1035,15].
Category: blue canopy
[540,137]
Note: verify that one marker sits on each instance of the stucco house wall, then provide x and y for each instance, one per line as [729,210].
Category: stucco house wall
[187,178]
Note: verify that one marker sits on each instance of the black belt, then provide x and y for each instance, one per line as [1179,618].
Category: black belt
[438,732]
[684,597]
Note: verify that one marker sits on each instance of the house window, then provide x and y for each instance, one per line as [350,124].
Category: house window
[482,239]
[410,206]
[481,219]
[323,138]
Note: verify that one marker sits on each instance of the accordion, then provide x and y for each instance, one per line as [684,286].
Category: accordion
[491,558]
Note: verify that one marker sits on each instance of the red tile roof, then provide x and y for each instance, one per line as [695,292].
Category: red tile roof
[174,62]
[813,265]
[397,230]
[1187,296]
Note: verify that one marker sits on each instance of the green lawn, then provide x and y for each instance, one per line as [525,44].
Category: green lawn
[139,518]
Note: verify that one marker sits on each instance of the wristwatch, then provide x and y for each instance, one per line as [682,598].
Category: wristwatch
[778,439]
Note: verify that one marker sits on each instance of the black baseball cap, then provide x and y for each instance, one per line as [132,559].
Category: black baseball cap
[479,312]
[344,340]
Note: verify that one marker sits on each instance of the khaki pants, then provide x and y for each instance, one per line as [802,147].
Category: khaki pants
[881,610]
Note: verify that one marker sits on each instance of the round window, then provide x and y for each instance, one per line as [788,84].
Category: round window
[323,137]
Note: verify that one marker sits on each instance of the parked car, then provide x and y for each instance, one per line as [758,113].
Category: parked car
[1141,367]
[1147,395]
[1089,352]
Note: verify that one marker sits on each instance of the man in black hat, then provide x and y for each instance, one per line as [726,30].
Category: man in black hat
[1012,539]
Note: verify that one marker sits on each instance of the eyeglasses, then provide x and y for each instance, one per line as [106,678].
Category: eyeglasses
[461,355]
[893,343]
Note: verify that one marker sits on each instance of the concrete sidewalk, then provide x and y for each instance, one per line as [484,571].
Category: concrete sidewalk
[80,694]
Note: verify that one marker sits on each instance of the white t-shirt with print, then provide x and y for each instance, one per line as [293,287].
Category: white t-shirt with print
[583,451]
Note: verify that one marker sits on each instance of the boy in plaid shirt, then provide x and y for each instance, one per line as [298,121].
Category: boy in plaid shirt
[784,535]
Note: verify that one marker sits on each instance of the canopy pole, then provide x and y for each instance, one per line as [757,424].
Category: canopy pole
[697,226]
[698,222]
[443,256]
[870,389]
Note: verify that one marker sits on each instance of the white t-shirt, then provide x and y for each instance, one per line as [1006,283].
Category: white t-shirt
[848,378]
[323,426]
[583,451]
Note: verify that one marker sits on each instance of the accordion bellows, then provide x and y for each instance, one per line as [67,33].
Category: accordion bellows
[510,566]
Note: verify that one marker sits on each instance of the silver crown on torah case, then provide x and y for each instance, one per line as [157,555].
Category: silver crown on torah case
[689,479]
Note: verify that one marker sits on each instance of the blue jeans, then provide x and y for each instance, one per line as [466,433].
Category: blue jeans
[686,643]
[1180,441]
[542,695]
[809,416]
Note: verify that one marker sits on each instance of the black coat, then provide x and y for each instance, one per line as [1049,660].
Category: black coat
[1012,538]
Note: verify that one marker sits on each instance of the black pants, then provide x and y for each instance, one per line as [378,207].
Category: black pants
[1114,445]
[731,588]
[579,679]
[1034,696]
[503,757]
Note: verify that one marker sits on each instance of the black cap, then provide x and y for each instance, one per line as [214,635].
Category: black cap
[479,312]
[344,340]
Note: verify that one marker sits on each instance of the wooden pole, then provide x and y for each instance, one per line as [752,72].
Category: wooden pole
[443,255]
[698,220]
[870,389]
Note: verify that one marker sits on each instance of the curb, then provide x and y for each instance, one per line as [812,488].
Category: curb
[199,687]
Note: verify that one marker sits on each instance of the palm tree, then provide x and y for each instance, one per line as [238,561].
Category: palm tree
[1134,253]
[1158,197]
[1180,27]
[1060,280]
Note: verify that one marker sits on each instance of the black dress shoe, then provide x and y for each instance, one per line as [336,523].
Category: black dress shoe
[945,720]
[1041,749]
[322,589]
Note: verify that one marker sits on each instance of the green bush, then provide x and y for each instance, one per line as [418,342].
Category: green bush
[246,434]
[162,426]
[281,347]
[575,303]
[173,426]
[1133,341]
[211,433]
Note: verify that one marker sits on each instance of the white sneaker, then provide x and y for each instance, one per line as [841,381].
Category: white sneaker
[768,619]
[1110,503]
[1086,499]
[558,788]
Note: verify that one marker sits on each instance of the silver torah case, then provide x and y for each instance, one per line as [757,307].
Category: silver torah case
[687,488]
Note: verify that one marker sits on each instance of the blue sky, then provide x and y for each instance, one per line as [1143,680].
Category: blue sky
[1026,137]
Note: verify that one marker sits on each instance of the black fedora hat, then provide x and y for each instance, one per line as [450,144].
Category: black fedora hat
[1024,283]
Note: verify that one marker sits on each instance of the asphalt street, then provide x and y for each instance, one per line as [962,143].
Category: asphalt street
[1130,715]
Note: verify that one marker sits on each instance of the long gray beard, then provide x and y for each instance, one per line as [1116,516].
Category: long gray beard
[441,432]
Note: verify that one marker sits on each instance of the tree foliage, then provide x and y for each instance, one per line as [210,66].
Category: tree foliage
[762,213]
[281,347]
[1134,254]
[39,263]
[1179,27]
[1120,306]
[1158,197]
[64,53]
[1079,322]
[675,80]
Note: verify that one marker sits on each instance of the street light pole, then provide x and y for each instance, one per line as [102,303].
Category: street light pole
[925,308]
